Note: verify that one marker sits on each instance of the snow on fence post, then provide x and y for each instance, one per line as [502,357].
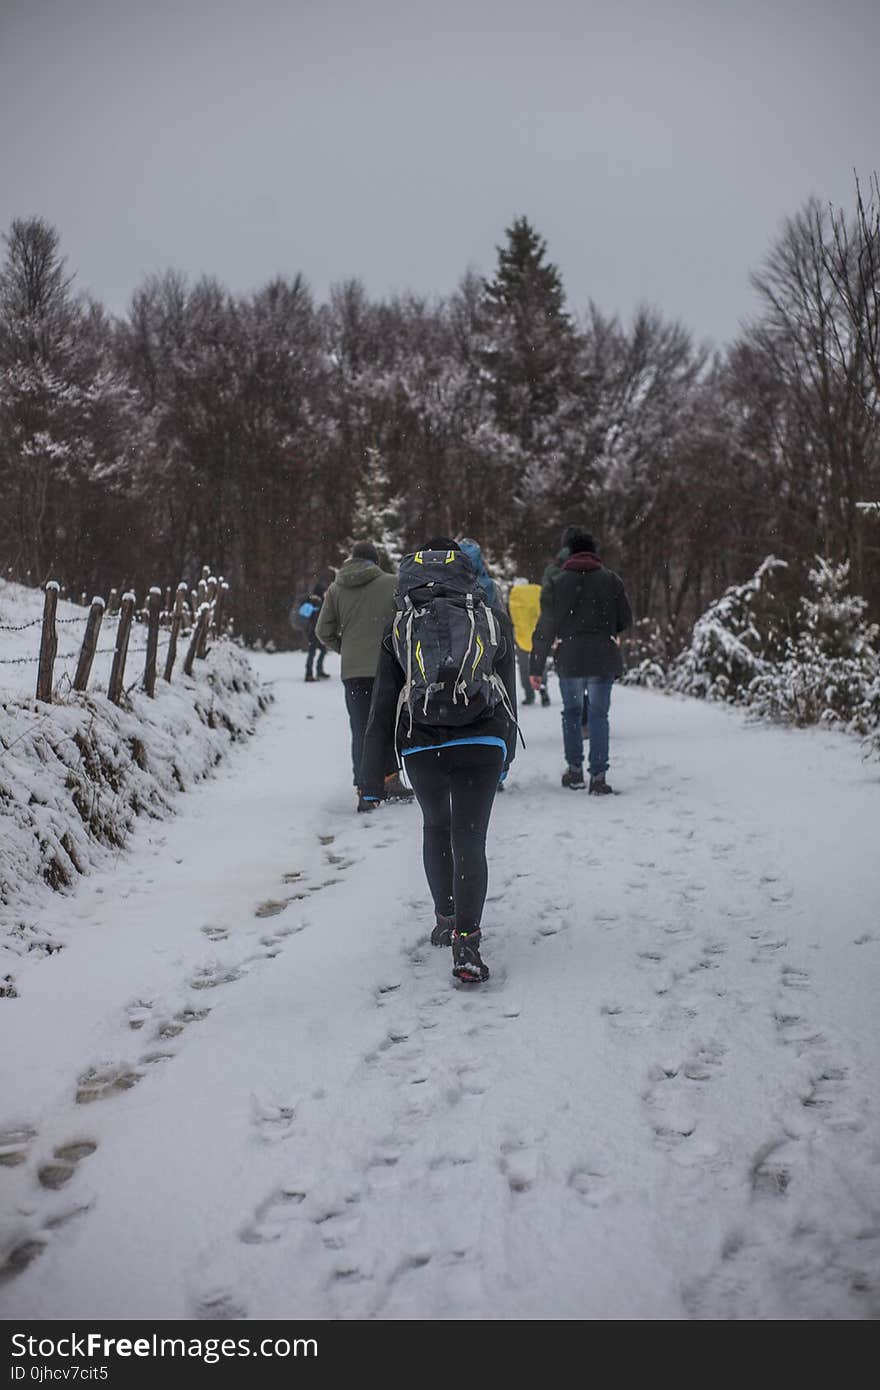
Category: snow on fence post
[220,604]
[196,640]
[176,621]
[123,632]
[89,645]
[48,643]
[210,598]
[154,613]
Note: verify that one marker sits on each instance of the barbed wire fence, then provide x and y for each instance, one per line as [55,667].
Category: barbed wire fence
[198,613]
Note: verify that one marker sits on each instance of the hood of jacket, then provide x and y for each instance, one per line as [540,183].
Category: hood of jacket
[355,573]
[584,562]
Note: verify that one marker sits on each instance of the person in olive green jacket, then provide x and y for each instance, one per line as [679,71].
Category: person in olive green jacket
[357,608]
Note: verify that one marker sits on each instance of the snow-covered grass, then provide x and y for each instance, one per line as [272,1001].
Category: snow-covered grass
[74,775]
[249,1088]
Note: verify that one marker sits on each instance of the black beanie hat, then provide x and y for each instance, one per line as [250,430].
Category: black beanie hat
[580,541]
[574,529]
[441,543]
[365,550]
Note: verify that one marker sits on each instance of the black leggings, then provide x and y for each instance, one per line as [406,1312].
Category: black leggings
[455,788]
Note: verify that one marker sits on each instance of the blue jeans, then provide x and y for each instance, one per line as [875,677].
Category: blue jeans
[598,691]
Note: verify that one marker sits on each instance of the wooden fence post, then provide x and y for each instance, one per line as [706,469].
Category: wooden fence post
[176,621]
[219,605]
[48,643]
[123,632]
[196,640]
[154,613]
[113,601]
[89,646]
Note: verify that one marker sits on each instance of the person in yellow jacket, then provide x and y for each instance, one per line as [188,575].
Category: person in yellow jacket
[525,609]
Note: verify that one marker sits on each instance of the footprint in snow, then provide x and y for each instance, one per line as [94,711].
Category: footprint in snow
[769,1174]
[590,1185]
[63,1164]
[23,1247]
[100,1083]
[212,976]
[271,907]
[793,978]
[273,1216]
[219,1305]
[272,1120]
[138,1013]
[216,933]
[519,1163]
[173,1027]
[15,1144]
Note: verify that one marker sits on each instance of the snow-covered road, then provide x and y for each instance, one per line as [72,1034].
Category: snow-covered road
[247,1087]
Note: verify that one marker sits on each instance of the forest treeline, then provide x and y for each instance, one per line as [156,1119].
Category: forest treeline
[262,432]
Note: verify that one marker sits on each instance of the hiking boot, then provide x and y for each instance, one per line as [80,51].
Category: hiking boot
[310,677]
[395,790]
[442,933]
[324,676]
[467,964]
[545,696]
[529,699]
[599,787]
[574,777]
[365,805]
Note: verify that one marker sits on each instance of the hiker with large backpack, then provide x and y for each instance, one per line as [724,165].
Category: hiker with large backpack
[445,693]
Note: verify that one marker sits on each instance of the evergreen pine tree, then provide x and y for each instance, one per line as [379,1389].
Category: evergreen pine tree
[528,339]
[378,517]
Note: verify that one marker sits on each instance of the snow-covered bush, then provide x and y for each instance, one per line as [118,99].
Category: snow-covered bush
[74,776]
[831,664]
[646,655]
[736,641]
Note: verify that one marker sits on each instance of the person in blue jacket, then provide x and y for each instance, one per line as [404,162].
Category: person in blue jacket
[486,582]
[306,615]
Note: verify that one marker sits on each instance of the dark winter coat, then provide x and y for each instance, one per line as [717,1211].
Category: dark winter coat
[389,682]
[585,606]
[315,598]
[356,609]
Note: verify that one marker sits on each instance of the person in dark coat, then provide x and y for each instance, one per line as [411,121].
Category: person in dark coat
[553,570]
[455,773]
[315,671]
[585,607]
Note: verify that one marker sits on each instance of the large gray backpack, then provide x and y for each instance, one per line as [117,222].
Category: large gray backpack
[446,639]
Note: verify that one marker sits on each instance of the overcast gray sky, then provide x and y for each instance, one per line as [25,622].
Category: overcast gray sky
[656,144]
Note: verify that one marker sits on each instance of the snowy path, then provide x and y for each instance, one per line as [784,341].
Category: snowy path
[248,1087]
